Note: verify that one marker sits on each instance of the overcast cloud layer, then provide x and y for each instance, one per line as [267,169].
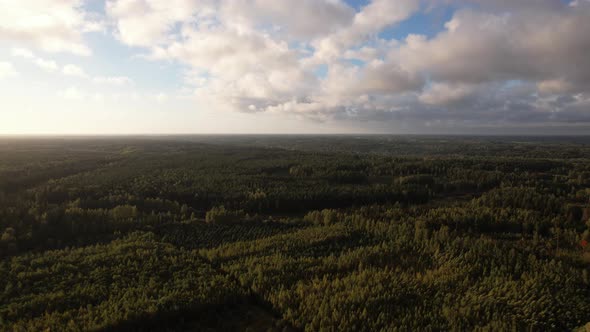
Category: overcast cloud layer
[492,63]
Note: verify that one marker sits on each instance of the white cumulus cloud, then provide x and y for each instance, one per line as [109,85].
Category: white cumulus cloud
[7,70]
[492,62]
[73,70]
[50,25]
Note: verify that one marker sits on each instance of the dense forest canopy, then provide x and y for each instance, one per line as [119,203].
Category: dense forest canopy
[287,233]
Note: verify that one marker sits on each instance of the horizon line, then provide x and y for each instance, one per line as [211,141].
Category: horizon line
[73,135]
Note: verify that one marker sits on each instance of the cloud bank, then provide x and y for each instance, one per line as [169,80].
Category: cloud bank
[491,63]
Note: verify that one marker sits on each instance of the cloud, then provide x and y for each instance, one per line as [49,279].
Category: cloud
[480,46]
[576,3]
[113,80]
[376,78]
[76,71]
[69,69]
[555,86]
[161,97]
[149,22]
[50,25]
[7,70]
[73,70]
[47,65]
[373,18]
[308,19]
[152,22]
[238,68]
[22,53]
[73,93]
[443,94]
[494,62]
[497,62]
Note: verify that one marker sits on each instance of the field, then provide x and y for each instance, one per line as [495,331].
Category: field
[288,233]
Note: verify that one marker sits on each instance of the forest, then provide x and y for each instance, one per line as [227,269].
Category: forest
[295,233]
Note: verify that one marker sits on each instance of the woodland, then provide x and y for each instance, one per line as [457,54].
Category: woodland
[294,233]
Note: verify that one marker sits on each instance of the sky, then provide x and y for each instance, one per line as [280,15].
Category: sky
[295,66]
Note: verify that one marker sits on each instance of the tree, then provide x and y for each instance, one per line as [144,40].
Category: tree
[9,235]
[221,215]
[124,212]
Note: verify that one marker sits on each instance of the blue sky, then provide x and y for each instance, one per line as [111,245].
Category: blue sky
[261,66]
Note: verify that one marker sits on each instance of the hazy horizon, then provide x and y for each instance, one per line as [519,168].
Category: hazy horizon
[73,135]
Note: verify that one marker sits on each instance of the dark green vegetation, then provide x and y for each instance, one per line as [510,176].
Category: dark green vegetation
[294,233]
